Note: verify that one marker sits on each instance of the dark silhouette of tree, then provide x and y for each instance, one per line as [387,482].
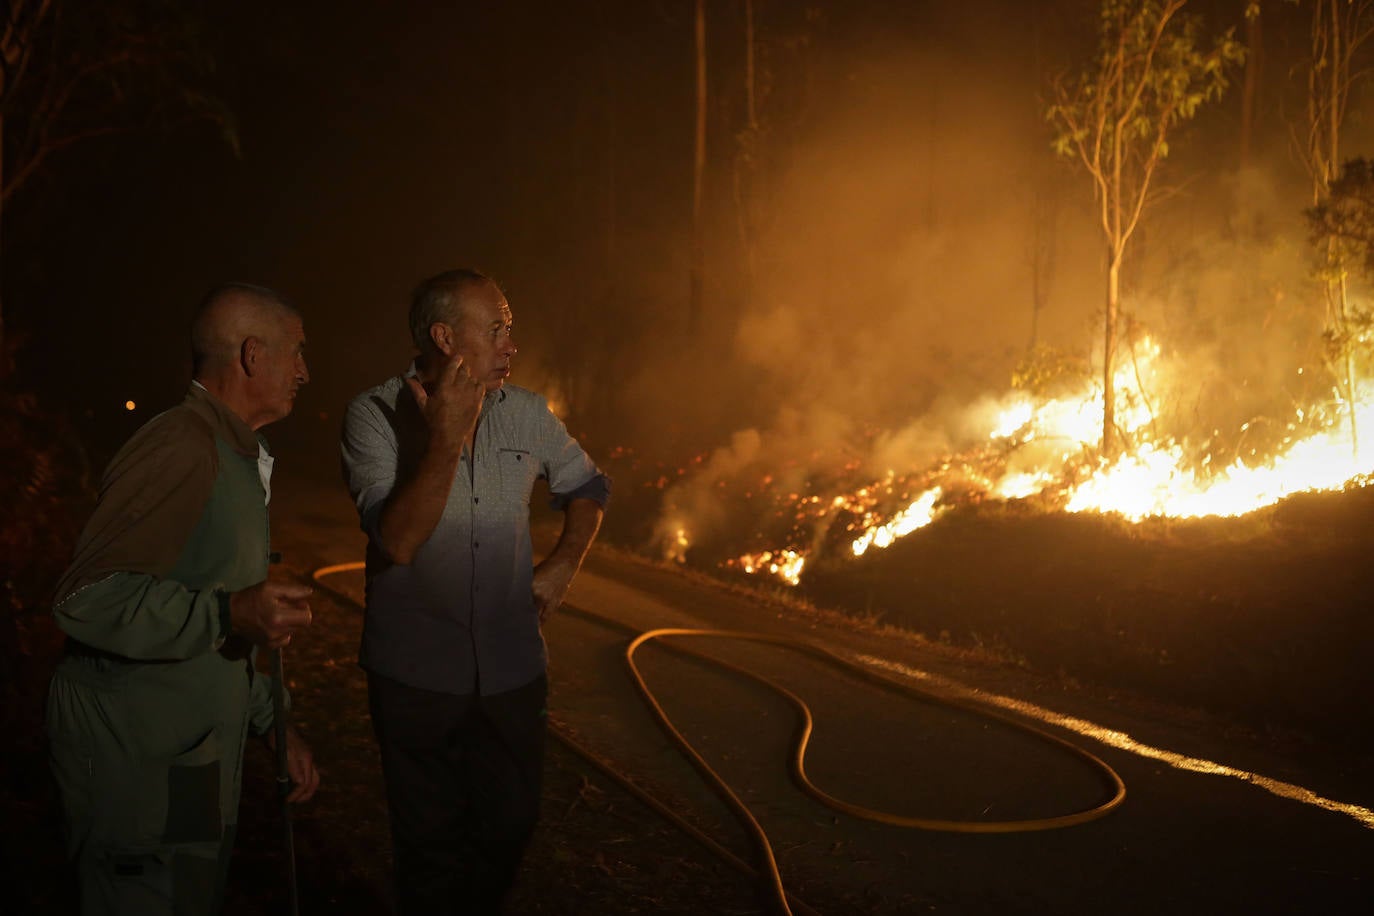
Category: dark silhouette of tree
[698,254]
[1340,31]
[1254,60]
[71,71]
[1342,227]
[777,72]
[76,70]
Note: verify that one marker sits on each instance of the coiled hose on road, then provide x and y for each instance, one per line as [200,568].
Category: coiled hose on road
[783,900]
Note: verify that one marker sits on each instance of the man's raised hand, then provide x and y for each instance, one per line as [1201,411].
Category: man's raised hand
[450,404]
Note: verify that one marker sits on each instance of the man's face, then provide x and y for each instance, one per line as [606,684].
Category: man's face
[281,368]
[483,336]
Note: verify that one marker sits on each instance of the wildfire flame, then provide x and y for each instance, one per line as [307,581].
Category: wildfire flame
[920,513]
[1155,478]
[785,564]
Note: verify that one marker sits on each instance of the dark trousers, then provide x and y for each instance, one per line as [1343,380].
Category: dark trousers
[463,780]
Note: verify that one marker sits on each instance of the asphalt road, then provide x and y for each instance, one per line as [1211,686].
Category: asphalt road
[1216,820]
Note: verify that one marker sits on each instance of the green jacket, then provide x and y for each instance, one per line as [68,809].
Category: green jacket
[181,523]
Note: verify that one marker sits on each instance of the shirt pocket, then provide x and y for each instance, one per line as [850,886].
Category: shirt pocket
[517,470]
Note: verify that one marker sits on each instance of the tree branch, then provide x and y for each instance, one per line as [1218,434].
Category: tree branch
[31,163]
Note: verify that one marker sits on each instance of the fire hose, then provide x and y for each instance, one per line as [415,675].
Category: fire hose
[797,761]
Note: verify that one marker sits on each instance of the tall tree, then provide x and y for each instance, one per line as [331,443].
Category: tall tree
[698,266]
[777,74]
[1346,215]
[748,141]
[1342,226]
[23,21]
[1340,29]
[70,71]
[1151,73]
[74,70]
[1254,59]
[1042,237]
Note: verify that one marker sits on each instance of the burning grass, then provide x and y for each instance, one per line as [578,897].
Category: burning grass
[743,508]
[1225,571]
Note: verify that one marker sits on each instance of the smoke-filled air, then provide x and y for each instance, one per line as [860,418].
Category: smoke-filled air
[919,283]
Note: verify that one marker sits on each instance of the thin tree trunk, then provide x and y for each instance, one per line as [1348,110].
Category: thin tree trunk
[1336,78]
[1109,438]
[745,167]
[4,351]
[1325,164]
[1115,249]
[611,200]
[1253,43]
[749,62]
[698,266]
[1351,400]
[1044,214]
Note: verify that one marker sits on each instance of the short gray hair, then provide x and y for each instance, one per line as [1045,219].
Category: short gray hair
[224,314]
[439,299]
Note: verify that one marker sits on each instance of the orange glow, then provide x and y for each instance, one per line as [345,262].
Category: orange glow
[1047,449]
[785,564]
[129,405]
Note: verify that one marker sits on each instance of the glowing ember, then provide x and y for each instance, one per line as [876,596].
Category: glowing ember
[1019,486]
[677,547]
[785,564]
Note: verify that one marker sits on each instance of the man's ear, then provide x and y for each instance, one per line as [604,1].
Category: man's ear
[249,352]
[442,336]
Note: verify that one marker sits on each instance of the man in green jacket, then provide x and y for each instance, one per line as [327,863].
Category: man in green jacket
[165,604]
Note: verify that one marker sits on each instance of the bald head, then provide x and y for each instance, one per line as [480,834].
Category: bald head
[248,350]
[228,315]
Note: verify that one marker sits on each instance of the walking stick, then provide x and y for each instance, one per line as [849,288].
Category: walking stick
[283,776]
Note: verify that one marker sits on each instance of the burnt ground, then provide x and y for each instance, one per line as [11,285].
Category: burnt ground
[1267,620]
[1261,626]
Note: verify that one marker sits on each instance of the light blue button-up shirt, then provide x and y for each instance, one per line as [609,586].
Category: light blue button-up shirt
[460,618]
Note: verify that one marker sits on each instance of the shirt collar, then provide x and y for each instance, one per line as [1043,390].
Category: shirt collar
[226,423]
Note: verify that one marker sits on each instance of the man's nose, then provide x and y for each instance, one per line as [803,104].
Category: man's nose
[508,347]
[303,372]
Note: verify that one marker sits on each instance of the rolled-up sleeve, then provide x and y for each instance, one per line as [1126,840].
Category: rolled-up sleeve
[370,458]
[598,489]
[570,471]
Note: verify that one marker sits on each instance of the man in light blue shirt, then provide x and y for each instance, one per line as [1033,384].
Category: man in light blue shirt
[441,463]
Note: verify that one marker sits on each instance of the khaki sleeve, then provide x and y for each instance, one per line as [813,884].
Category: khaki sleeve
[115,595]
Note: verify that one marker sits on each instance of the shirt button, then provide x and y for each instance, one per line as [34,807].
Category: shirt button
[477,499]
[475,545]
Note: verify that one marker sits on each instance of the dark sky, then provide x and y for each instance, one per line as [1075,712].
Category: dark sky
[549,144]
[380,143]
